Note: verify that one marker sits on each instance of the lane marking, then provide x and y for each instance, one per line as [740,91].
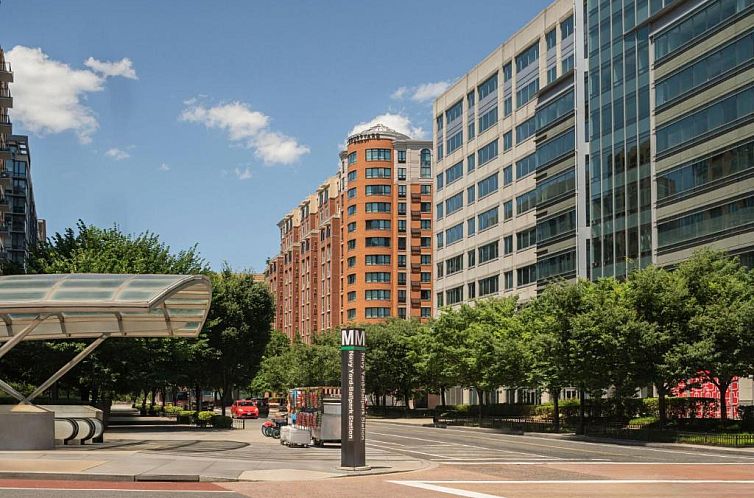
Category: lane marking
[456,458]
[448,444]
[446,490]
[595,481]
[517,438]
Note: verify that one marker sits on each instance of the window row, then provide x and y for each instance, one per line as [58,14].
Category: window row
[378,155]
[706,222]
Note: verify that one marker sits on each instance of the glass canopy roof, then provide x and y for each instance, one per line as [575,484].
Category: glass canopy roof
[60,306]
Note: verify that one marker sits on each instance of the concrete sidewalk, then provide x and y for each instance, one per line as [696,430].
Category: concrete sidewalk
[182,453]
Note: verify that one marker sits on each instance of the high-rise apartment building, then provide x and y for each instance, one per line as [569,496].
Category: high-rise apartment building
[18,217]
[601,137]
[359,248]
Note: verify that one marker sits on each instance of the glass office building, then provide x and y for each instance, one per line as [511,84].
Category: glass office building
[605,135]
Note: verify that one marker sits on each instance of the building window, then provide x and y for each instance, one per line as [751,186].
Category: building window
[378,190]
[487,153]
[566,28]
[508,244]
[470,163]
[352,296]
[402,313]
[489,285]
[454,265]
[352,193]
[377,207]
[526,93]
[454,233]
[554,110]
[378,173]
[525,130]
[426,242]
[508,277]
[470,195]
[378,154]
[401,261]
[351,244]
[526,275]
[426,259]
[526,238]
[425,164]
[377,259]
[471,226]
[454,295]
[440,181]
[401,191]
[426,276]
[352,210]
[455,112]
[401,174]
[440,269]
[401,243]
[401,278]
[454,203]
[507,106]
[439,240]
[352,227]
[487,87]
[377,295]
[426,312]
[440,211]
[352,158]
[567,64]
[371,312]
[525,202]
[471,290]
[471,129]
[426,189]
[377,242]
[526,166]
[507,210]
[487,119]
[507,71]
[507,141]
[374,277]
[551,39]
[351,314]
[488,252]
[528,56]
[507,175]
[352,261]
[401,156]
[401,225]
[455,141]
[488,219]
[454,173]
[402,296]
[488,186]
[471,258]
[351,176]
[426,207]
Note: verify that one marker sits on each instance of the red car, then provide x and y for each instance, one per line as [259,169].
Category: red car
[244,408]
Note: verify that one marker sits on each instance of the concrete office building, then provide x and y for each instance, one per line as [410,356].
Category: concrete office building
[359,248]
[601,137]
[18,217]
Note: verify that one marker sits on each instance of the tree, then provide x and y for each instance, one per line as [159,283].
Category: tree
[548,319]
[722,328]
[662,300]
[237,329]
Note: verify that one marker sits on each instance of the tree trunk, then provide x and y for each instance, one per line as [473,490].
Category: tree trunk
[95,394]
[154,397]
[662,404]
[405,405]
[442,396]
[582,409]
[198,394]
[723,388]
[555,392]
[144,399]
[480,395]
[163,391]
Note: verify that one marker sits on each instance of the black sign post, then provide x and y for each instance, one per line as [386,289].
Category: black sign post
[352,399]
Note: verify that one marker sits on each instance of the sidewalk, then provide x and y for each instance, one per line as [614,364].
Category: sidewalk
[183,453]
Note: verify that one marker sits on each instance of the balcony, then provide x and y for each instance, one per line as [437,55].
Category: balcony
[6,99]
[6,128]
[6,72]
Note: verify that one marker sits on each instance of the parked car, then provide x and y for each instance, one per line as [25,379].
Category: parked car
[263,405]
[244,408]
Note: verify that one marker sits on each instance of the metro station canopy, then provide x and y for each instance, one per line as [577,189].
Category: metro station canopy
[87,305]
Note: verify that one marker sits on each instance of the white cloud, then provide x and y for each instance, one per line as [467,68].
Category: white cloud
[49,95]
[123,68]
[251,128]
[164,167]
[117,154]
[397,122]
[426,92]
[243,174]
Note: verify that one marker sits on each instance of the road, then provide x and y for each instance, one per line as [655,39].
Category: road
[470,463]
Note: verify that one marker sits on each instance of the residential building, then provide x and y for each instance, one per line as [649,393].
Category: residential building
[601,137]
[359,248]
[18,217]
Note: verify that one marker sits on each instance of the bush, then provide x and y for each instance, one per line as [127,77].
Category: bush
[644,421]
[220,421]
[493,410]
[185,417]
[568,408]
[205,416]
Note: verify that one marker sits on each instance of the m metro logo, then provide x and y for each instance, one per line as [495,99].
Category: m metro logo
[353,339]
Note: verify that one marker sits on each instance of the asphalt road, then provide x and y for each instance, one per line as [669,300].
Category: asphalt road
[470,463]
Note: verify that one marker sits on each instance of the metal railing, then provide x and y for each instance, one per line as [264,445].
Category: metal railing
[669,436]
[4,119]
[5,92]
[5,67]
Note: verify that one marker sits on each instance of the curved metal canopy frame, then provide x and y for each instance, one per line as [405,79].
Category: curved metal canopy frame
[88,305]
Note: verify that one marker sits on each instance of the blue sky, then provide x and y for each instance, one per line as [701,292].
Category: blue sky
[206,121]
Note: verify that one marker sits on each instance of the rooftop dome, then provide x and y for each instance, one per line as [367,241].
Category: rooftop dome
[378,130]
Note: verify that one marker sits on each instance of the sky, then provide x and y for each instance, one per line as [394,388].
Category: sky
[205,122]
